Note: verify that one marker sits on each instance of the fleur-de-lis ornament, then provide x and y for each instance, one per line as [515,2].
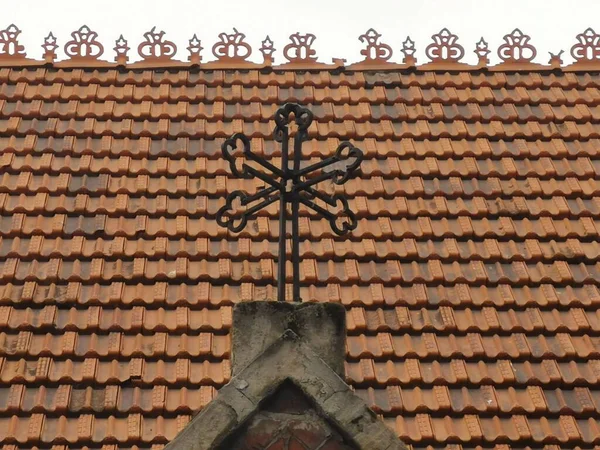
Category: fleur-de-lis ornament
[155,47]
[232,47]
[84,45]
[295,185]
[516,48]
[587,47]
[300,48]
[445,47]
[9,42]
[375,51]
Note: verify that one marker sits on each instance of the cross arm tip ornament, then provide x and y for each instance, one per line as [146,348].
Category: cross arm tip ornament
[293,185]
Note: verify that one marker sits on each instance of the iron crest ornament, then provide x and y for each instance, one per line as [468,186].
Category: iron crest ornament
[293,186]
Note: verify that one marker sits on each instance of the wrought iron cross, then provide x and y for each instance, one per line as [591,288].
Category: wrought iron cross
[292,186]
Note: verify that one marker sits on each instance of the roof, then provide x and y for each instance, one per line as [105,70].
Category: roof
[471,282]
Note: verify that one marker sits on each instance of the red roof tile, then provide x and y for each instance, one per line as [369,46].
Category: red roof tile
[471,282]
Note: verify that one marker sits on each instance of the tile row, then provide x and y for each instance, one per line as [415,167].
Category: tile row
[363,373]
[359,319]
[392,399]
[347,129]
[95,318]
[302,93]
[154,109]
[531,250]
[37,428]
[376,186]
[544,228]
[375,294]
[526,445]
[414,372]
[291,78]
[108,399]
[114,345]
[523,445]
[393,166]
[184,147]
[437,206]
[472,345]
[580,401]
[475,208]
[448,319]
[433,429]
[381,345]
[311,271]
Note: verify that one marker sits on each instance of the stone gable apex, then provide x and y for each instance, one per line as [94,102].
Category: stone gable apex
[287,359]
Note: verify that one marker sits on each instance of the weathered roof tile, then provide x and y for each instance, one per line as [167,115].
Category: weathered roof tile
[471,282]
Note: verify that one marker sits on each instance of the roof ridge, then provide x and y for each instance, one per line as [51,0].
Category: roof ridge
[232,51]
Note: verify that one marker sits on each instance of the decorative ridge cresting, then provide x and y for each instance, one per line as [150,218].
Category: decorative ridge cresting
[375,51]
[300,49]
[9,43]
[155,47]
[516,48]
[232,47]
[445,47]
[84,45]
[232,50]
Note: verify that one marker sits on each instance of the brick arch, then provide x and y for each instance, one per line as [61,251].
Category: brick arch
[287,421]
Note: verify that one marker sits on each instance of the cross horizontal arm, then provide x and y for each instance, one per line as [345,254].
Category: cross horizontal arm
[227,217]
[229,147]
[316,194]
[266,164]
[346,152]
[266,202]
[316,166]
[348,225]
[312,181]
[264,177]
[260,194]
[318,209]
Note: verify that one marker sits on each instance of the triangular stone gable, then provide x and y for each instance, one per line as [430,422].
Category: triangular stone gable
[287,360]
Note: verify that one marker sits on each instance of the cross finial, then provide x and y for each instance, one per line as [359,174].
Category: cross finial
[293,185]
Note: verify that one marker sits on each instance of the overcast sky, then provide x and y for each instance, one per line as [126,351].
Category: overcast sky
[552,24]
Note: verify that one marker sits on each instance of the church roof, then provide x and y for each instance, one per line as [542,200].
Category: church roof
[471,282]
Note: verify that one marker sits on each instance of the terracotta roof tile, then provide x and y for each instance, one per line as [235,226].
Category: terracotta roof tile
[471,282]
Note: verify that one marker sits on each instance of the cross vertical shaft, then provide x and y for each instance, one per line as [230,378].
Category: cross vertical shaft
[281,272]
[298,138]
